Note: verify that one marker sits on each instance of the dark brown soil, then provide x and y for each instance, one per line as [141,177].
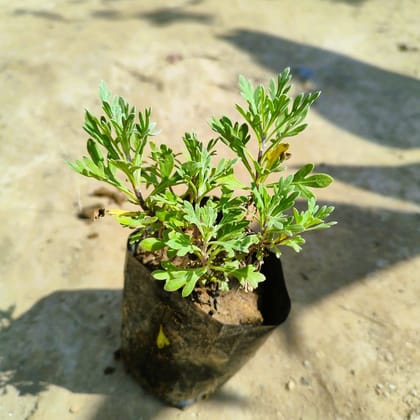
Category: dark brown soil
[233,307]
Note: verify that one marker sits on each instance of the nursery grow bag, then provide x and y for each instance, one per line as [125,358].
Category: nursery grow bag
[178,352]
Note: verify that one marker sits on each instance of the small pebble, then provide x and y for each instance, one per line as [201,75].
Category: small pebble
[305,381]
[392,387]
[291,385]
[74,409]
[306,363]
[379,389]
[389,357]
[414,393]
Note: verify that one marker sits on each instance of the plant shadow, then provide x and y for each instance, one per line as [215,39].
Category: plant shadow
[358,97]
[167,16]
[350,2]
[400,181]
[363,242]
[43,14]
[69,339]
[163,16]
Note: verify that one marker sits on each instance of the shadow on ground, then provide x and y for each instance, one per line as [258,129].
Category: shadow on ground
[363,242]
[69,337]
[42,14]
[399,181]
[350,2]
[159,17]
[379,105]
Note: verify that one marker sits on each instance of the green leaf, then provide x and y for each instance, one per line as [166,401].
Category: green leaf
[296,130]
[127,167]
[94,152]
[152,244]
[135,222]
[318,181]
[181,243]
[191,214]
[303,172]
[175,281]
[160,275]
[247,91]
[303,182]
[248,275]
[175,278]
[192,278]
[230,181]
[104,94]
[295,243]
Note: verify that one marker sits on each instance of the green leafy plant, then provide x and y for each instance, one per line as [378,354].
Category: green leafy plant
[217,230]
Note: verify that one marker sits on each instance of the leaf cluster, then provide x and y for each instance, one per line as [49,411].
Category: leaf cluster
[216,230]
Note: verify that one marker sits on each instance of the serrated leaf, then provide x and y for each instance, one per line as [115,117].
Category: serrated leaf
[248,275]
[190,214]
[193,276]
[247,90]
[175,278]
[230,181]
[295,243]
[181,243]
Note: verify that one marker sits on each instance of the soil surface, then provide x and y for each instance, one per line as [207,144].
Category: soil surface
[350,349]
[234,307]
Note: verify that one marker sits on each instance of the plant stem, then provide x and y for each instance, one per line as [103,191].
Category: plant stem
[141,201]
[262,148]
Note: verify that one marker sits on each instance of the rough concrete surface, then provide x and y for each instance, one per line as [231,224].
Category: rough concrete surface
[350,349]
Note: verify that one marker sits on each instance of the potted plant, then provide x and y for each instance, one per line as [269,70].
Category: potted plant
[203,280]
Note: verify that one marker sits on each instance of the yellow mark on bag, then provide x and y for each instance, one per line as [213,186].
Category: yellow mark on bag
[161,340]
